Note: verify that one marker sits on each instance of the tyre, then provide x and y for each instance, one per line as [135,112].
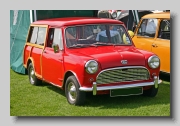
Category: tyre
[73,94]
[32,77]
[152,92]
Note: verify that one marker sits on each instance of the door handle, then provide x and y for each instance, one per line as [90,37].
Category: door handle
[154,45]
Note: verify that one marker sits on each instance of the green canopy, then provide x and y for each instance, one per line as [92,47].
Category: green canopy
[19,25]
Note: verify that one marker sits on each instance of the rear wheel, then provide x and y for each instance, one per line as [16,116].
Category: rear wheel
[152,92]
[32,77]
[73,94]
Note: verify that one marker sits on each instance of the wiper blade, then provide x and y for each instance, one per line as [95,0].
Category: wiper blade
[102,43]
[79,45]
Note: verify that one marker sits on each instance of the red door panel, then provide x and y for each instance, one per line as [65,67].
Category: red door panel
[36,56]
[52,66]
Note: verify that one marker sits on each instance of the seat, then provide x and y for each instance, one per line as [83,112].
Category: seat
[114,39]
[165,35]
[103,38]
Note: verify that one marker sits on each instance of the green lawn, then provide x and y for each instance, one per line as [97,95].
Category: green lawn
[48,100]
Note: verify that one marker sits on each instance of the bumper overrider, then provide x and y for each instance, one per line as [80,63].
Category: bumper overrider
[95,88]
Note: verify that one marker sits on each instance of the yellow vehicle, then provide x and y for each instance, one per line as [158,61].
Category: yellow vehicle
[153,34]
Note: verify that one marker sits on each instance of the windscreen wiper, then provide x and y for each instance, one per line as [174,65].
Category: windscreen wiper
[102,43]
[80,45]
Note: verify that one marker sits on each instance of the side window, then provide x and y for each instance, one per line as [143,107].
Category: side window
[37,35]
[148,28]
[55,37]
[32,34]
[72,32]
[164,29]
[41,36]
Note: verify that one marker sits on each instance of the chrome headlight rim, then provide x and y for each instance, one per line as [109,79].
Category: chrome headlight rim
[87,66]
[150,60]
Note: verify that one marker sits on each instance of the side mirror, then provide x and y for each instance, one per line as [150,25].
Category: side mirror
[114,15]
[56,48]
[131,33]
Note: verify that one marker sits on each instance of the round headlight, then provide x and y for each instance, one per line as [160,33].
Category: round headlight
[91,66]
[153,62]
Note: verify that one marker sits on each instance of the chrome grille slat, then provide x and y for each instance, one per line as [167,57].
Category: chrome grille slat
[127,74]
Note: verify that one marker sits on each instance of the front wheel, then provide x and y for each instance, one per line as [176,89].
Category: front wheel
[152,92]
[73,94]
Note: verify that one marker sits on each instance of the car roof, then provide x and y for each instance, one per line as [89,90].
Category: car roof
[67,21]
[158,15]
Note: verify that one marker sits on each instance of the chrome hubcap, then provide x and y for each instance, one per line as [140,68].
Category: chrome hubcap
[32,75]
[72,93]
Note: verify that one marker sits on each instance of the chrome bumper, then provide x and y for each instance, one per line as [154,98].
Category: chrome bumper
[95,88]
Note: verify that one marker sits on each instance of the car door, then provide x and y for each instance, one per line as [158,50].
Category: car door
[161,45]
[145,34]
[52,63]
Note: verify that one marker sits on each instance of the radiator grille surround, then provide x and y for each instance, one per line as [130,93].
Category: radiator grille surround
[122,74]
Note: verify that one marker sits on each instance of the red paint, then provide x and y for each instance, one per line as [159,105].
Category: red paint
[76,21]
[54,66]
[36,54]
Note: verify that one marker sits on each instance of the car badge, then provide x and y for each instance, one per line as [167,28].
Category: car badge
[124,61]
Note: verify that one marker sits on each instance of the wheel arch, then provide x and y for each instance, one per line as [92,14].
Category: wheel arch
[30,60]
[27,65]
[67,74]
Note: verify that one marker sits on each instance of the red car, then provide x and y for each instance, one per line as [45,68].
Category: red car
[82,55]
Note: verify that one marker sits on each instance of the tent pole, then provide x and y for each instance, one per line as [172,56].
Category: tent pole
[35,16]
[135,20]
[137,17]
[31,18]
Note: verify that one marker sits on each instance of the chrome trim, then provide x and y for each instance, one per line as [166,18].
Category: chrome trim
[131,67]
[122,67]
[124,61]
[74,75]
[87,63]
[156,81]
[150,58]
[95,88]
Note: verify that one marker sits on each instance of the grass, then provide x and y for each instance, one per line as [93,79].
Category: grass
[48,100]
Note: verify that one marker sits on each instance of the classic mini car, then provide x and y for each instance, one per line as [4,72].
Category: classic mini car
[153,34]
[82,55]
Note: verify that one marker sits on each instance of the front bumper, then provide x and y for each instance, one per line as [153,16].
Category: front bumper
[94,88]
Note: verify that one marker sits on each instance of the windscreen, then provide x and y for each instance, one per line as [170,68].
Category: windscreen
[100,34]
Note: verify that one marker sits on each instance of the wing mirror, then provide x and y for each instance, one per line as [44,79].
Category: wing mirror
[56,48]
[131,33]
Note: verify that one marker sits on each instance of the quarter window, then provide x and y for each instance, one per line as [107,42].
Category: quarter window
[164,29]
[37,35]
[33,34]
[41,36]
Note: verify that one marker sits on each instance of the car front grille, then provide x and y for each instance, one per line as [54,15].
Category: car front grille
[122,74]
